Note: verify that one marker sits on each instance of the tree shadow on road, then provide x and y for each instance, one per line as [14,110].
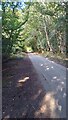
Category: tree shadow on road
[23,94]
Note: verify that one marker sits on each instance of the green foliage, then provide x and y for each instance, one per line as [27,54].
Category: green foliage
[12,21]
[40,27]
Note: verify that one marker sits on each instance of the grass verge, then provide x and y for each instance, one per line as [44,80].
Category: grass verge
[58,58]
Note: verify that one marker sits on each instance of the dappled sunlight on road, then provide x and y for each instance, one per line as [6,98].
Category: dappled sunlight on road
[6,117]
[52,67]
[64,95]
[53,78]
[20,82]
[23,80]
[48,106]
[36,95]
[61,86]
[51,61]
[46,66]
[41,65]
[46,58]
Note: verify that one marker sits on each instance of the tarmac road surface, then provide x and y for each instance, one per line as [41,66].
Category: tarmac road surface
[53,78]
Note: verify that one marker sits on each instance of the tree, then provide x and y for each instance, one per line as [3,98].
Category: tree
[39,26]
[12,25]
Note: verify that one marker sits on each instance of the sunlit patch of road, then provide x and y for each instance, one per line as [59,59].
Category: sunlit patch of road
[53,78]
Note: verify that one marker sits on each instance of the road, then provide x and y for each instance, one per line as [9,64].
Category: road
[53,79]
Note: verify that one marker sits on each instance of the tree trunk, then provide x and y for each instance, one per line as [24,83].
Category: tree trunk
[47,38]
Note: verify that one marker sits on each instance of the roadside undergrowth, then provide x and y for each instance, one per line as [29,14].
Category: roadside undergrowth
[57,57]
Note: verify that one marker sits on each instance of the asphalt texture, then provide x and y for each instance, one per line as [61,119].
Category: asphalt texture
[53,79]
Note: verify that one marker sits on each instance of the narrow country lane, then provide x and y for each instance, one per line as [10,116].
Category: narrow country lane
[34,59]
[53,79]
